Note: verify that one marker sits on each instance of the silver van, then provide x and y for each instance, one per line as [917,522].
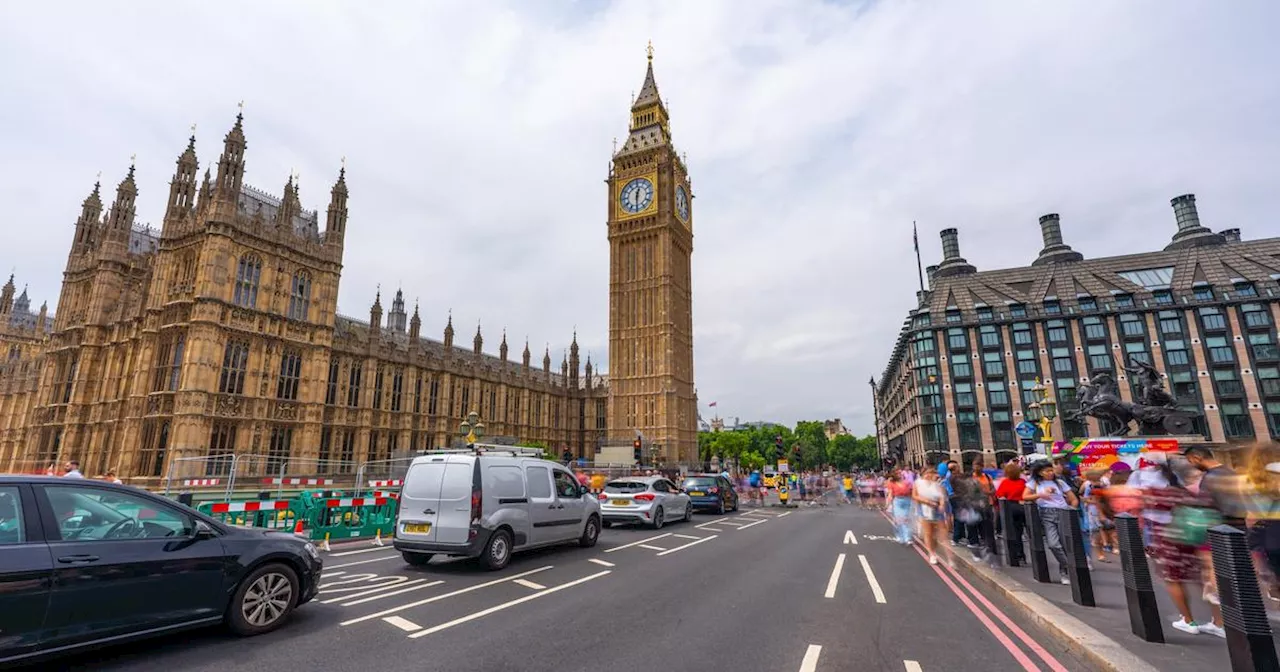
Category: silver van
[488,501]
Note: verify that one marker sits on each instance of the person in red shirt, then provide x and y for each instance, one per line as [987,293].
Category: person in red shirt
[1009,494]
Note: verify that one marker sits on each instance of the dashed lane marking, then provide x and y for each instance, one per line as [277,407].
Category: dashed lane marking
[363,550]
[365,562]
[762,520]
[685,536]
[652,547]
[507,605]
[636,543]
[783,514]
[692,543]
[600,562]
[437,598]
[871,579]
[912,666]
[529,584]
[835,577]
[810,661]
[403,624]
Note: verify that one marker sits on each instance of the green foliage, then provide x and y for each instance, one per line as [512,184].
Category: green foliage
[547,452]
[755,447]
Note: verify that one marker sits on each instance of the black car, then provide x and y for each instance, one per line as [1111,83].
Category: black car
[85,563]
[711,492]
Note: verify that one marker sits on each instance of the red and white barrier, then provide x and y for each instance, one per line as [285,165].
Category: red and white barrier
[258,505]
[388,495]
[200,482]
[386,484]
[357,501]
[297,481]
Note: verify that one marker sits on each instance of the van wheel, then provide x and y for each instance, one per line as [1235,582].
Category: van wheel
[263,600]
[497,553]
[591,533]
[416,559]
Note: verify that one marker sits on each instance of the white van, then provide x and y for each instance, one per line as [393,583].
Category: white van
[488,501]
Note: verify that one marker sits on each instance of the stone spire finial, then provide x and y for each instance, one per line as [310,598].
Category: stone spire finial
[448,331]
[479,340]
[502,349]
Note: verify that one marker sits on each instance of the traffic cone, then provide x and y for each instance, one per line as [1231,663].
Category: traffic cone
[324,545]
[377,541]
[299,529]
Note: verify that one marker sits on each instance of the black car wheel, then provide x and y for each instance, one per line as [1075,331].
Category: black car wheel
[497,553]
[416,559]
[720,507]
[263,600]
[688,511]
[590,533]
[658,519]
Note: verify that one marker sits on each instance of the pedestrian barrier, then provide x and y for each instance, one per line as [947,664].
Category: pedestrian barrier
[346,518]
[201,482]
[297,481]
[277,514]
[395,483]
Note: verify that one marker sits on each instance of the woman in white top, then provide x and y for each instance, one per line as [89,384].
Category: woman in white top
[1052,495]
[931,503]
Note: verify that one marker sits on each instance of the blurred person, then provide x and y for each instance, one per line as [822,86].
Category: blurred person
[1053,497]
[931,507]
[110,477]
[898,491]
[1098,523]
[72,469]
[986,532]
[968,503]
[1264,534]
[1176,535]
[1009,493]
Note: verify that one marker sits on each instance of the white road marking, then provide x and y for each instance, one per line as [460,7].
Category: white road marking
[783,514]
[726,521]
[437,598]
[530,584]
[913,666]
[375,582]
[379,589]
[365,562]
[363,550]
[350,578]
[849,538]
[711,529]
[692,543]
[392,593]
[810,662]
[762,520]
[600,562]
[507,605]
[835,577]
[704,525]
[871,579]
[686,536]
[403,624]
[636,543]
[328,574]
[652,547]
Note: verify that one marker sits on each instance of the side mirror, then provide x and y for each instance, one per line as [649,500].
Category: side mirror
[204,531]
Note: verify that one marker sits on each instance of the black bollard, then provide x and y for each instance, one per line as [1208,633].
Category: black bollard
[1249,642]
[1077,562]
[1035,539]
[1144,613]
[1012,536]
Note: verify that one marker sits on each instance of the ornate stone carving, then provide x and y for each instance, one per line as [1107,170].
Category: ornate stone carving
[229,406]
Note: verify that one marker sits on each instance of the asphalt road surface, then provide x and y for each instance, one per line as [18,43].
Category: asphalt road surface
[810,589]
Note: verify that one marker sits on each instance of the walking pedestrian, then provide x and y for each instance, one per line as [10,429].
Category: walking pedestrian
[931,502]
[899,492]
[1009,493]
[1053,497]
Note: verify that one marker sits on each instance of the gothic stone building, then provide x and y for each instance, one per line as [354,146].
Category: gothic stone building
[1202,311]
[219,334]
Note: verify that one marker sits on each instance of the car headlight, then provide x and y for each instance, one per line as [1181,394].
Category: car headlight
[312,551]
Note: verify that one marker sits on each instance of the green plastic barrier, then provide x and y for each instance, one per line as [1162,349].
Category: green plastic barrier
[338,518]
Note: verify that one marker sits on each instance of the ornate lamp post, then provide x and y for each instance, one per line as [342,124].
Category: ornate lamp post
[1043,411]
[472,428]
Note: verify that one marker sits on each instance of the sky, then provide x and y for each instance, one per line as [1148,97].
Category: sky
[477,137]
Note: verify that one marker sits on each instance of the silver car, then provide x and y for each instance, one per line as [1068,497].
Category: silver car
[647,500]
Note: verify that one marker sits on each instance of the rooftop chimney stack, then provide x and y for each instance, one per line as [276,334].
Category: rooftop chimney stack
[1230,235]
[1055,251]
[1190,232]
[952,262]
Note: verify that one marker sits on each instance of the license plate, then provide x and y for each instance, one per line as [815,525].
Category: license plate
[621,502]
[417,528]
[696,493]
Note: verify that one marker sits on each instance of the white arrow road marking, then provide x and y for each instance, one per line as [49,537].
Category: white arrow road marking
[849,538]
[835,577]
[871,579]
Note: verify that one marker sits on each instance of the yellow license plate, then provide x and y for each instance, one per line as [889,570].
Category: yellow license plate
[417,528]
[696,493]
[621,502]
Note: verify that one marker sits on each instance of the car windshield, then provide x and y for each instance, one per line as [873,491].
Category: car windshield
[699,482]
[626,487]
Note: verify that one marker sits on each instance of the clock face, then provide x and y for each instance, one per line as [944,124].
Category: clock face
[682,204]
[637,195]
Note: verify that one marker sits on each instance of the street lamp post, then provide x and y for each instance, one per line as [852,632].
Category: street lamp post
[472,428]
[1043,410]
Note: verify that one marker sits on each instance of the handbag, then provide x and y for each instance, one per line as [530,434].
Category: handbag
[1190,526]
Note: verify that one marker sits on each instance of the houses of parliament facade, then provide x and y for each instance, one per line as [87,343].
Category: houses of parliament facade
[219,334]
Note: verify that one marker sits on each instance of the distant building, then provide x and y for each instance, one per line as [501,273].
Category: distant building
[834,428]
[1202,311]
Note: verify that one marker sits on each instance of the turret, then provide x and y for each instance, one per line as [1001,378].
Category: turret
[6,307]
[588,372]
[502,349]
[375,313]
[120,219]
[573,361]
[564,369]
[546,361]
[86,224]
[396,318]
[335,225]
[290,205]
[478,342]
[43,318]
[448,332]
[231,163]
[525,359]
[415,323]
[182,189]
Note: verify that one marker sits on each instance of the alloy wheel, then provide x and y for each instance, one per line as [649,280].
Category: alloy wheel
[267,599]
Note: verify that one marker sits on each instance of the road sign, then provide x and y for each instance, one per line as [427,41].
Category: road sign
[782,467]
[1028,446]
[1025,430]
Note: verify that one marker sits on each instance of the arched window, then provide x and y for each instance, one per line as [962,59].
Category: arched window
[248,275]
[300,296]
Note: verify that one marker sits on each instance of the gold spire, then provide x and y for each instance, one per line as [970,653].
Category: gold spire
[649,51]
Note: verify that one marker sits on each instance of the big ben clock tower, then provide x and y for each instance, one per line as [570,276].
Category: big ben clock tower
[651,388]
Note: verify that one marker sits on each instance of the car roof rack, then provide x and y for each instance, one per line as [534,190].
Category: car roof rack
[488,449]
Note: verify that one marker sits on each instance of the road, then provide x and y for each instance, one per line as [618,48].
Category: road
[813,589]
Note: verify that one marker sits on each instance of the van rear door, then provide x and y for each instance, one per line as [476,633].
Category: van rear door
[461,477]
[420,500]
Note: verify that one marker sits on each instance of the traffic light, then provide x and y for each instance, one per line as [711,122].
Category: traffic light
[777,448]
[635,450]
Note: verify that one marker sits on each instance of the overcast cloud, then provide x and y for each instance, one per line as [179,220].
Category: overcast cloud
[478,134]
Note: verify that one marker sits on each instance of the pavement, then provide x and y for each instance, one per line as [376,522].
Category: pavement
[815,589]
[1104,630]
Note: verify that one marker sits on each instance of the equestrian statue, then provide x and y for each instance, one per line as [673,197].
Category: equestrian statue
[1154,409]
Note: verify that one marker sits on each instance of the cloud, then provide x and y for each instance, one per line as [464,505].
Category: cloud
[477,138]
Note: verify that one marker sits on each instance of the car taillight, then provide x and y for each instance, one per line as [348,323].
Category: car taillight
[714,491]
[644,497]
[603,496]
[476,509]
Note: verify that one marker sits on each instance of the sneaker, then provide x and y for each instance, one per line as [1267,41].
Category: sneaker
[1190,628]
[933,559]
[1211,629]
[1210,596]
[1066,581]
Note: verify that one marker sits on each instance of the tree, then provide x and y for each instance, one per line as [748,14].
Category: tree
[547,452]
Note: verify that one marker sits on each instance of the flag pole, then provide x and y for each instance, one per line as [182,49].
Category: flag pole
[915,239]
